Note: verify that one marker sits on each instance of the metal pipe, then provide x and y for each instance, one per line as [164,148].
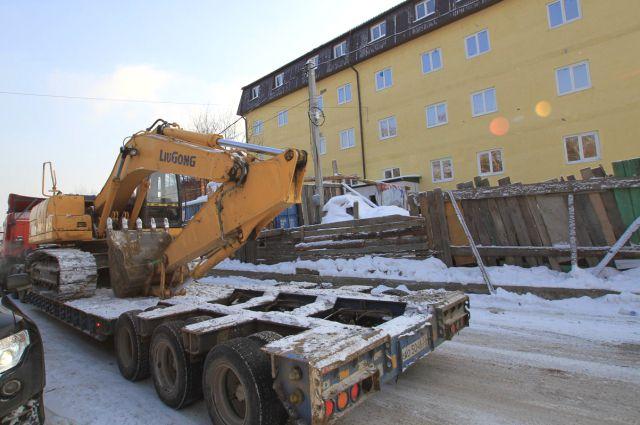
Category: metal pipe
[249,147]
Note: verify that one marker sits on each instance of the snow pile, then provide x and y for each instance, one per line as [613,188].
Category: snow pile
[434,270]
[336,209]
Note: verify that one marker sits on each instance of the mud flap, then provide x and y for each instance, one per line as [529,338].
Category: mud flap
[133,257]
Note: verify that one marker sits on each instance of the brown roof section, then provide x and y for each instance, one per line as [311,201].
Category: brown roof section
[401,27]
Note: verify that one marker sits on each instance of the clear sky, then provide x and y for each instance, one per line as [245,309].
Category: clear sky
[182,51]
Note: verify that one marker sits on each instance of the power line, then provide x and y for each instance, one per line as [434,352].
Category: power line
[108,99]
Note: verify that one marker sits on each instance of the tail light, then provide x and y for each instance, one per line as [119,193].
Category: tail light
[343,400]
[354,392]
[329,408]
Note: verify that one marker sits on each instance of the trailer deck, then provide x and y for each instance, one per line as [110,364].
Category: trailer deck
[334,346]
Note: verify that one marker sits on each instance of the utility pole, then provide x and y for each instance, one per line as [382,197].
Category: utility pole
[314,121]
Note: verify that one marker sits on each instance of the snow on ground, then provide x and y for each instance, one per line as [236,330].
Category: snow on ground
[336,209]
[434,270]
[523,360]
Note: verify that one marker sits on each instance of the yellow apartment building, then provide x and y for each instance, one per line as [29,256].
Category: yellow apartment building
[446,90]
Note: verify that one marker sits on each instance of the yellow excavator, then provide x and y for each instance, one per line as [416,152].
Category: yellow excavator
[81,238]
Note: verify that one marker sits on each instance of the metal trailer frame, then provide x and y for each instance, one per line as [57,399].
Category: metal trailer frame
[320,358]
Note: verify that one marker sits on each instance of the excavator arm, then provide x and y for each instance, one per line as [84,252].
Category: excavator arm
[253,192]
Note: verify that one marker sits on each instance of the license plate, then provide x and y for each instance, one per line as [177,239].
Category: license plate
[413,349]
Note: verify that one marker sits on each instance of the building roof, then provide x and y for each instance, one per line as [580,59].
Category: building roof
[401,27]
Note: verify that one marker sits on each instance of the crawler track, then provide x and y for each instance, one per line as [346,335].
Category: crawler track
[69,273]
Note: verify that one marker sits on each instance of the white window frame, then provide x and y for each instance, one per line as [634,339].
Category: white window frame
[425,3]
[380,26]
[491,173]
[571,73]
[315,59]
[564,13]
[283,118]
[430,54]
[322,145]
[384,79]
[259,126]
[580,136]
[350,131]
[386,121]
[384,173]
[255,92]
[278,80]
[484,99]
[441,162]
[435,105]
[346,88]
[342,46]
[475,36]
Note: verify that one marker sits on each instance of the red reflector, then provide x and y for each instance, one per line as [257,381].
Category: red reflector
[98,324]
[343,400]
[328,408]
[355,392]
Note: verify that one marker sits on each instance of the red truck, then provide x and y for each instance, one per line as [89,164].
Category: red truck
[15,241]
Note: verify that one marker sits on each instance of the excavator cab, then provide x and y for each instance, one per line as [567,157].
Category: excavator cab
[163,200]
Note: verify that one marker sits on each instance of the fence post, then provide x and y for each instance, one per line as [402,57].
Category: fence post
[442,226]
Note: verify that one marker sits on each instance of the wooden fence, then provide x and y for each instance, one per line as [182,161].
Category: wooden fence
[395,236]
[528,224]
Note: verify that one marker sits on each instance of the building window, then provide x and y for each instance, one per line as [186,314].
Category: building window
[347,139]
[431,61]
[340,49]
[258,127]
[322,145]
[437,114]
[490,162]
[255,92]
[387,128]
[278,80]
[390,173]
[383,79]
[283,118]
[484,102]
[477,44]
[442,170]
[561,12]
[315,60]
[573,78]
[320,102]
[344,94]
[425,8]
[378,31]
[582,147]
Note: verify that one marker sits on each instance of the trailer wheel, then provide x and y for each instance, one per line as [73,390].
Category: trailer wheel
[175,376]
[237,385]
[132,350]
[265,337]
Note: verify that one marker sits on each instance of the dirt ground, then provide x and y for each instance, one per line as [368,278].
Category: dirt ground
[495,372]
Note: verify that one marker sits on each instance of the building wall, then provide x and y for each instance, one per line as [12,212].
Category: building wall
[521,66]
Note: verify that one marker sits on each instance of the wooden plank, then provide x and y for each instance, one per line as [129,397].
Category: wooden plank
[530,224]
[510,229]
[465,185]
[520,227]
[544,251]
[582,224]
[505,181]
[632,169]
[551,187]
[456,234]
[444,228]
[541,228]
[597,203]
[499,227]
[553,209]
[611,207]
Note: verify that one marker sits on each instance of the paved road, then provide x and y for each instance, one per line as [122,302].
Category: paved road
[493,373]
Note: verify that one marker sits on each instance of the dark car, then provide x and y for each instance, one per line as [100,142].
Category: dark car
[22,376]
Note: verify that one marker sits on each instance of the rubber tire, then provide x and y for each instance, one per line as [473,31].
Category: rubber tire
[188,387]
[133,363]
[253,368]
[265,337]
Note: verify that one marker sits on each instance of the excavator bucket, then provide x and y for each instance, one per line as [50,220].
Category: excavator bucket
[134,260]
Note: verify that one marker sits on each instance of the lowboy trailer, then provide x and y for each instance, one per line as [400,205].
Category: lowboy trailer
[259,353]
